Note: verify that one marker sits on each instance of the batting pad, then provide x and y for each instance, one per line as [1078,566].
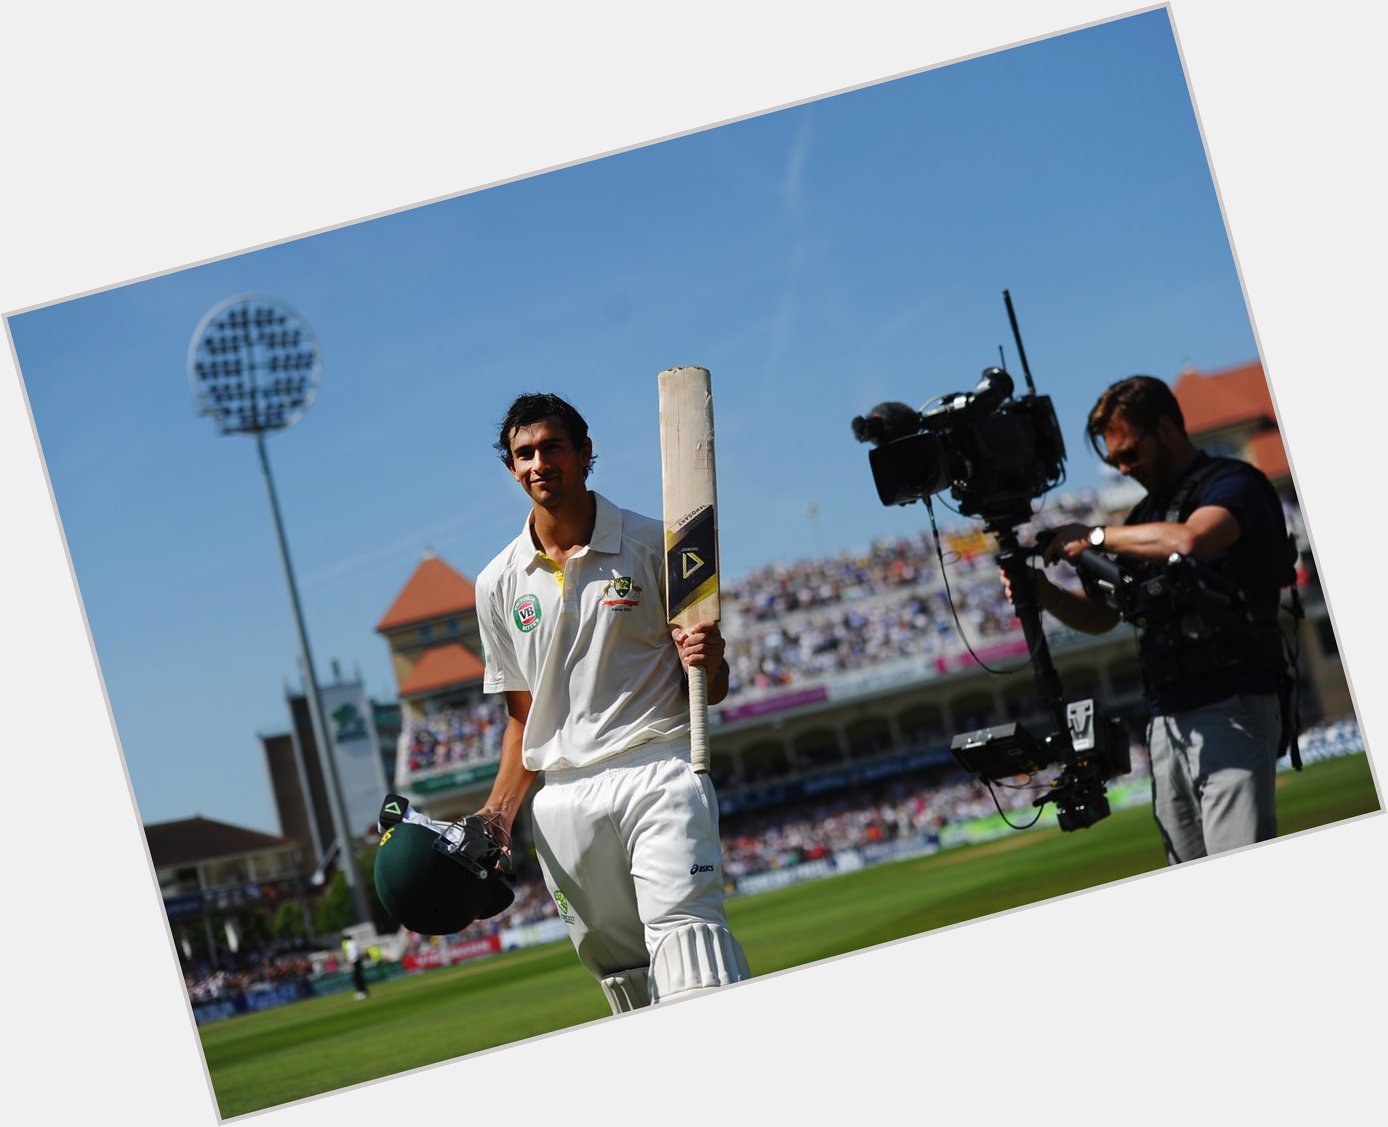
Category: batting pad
[627,990]
[696,956]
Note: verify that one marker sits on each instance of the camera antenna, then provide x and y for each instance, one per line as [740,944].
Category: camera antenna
[1017,336]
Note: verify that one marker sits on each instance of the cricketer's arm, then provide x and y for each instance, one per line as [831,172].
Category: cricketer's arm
[703,644]
[513,779]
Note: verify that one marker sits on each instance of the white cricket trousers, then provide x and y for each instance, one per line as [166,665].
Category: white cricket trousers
[630,851]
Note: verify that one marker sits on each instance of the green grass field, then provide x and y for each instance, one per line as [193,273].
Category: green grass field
[260,1060]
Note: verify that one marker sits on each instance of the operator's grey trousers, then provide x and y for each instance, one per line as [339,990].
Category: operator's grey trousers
[1213,774]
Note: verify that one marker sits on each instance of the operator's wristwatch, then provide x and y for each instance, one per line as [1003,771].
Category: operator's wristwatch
[1096,536]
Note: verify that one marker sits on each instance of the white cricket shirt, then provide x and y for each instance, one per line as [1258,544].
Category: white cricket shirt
[591,645]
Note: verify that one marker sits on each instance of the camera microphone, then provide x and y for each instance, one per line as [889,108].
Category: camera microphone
[950,410]
[885,423]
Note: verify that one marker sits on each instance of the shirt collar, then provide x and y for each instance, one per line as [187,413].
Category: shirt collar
[606,538]
[607,529]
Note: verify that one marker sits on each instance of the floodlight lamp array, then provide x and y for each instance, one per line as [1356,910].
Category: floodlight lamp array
[254,365]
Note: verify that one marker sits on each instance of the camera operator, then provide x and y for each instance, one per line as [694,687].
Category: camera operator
[1215,696]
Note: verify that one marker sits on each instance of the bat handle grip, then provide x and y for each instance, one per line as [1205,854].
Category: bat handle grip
[698,719]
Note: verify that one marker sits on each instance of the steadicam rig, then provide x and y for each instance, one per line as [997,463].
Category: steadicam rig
[1092,750]
[996,453]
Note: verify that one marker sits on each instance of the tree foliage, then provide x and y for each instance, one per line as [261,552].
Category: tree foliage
[335,909]
[289,921]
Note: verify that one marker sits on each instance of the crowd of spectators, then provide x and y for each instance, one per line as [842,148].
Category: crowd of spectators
[789,623]
[890,810]
[453,737]
[1330,739]
[802,621]
[895,812]
[793,623]
[205,984]
[798,623]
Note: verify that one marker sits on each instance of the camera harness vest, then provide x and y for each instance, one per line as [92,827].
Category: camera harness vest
[1261,645]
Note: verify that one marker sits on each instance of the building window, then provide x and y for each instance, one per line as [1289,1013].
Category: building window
[426,632]
[173,882]
[225,874]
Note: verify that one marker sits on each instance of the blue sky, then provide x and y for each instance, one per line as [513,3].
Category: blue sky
[817,260]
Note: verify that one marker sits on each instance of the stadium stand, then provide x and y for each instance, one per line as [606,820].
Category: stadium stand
[451,737]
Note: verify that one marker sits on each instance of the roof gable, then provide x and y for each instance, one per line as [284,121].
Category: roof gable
[1267,453]
[194,840]
[434,590]
[1235,395]
[453,664]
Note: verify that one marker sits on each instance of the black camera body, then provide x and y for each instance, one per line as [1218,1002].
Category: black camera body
[994,453]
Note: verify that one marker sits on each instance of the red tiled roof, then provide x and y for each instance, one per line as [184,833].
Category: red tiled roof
[1230,398]
[1235,395]
[453,664]
[194,840]
[1266,451]
[434,590]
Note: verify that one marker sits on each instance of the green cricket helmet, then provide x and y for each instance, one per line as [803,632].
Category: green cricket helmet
[438,877]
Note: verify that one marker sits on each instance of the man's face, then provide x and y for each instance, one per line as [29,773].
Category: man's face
[1146,456]
[545,462]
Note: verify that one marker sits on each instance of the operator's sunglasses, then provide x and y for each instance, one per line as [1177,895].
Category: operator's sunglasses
[1126,457]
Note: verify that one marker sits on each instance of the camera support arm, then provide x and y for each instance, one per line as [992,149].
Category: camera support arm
[1012,559]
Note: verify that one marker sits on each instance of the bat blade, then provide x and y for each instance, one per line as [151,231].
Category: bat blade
[689,490]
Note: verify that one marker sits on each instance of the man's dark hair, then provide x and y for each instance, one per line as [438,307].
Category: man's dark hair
[1141,400]
[531,408]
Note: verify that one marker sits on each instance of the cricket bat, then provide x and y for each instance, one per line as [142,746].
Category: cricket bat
[691,524]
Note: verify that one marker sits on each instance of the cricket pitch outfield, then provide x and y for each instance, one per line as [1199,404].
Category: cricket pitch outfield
[264,1059]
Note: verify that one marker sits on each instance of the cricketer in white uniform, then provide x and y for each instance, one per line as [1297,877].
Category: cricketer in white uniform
[573,622]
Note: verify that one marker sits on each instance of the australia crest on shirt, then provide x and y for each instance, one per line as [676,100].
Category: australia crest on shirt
[620,594]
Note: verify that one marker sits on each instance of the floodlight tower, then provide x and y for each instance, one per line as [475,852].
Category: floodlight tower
[255,367]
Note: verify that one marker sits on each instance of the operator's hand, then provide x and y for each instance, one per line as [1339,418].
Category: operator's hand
[1043,586]
[1066,543]
[702,644]
[1006,586]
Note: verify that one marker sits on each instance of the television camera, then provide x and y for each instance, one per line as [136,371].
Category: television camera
[997,453]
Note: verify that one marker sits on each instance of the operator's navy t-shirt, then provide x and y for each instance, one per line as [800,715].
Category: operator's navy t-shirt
[1256,562]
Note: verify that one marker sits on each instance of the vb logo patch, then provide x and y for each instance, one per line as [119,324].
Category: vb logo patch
[620,593]
[526,612]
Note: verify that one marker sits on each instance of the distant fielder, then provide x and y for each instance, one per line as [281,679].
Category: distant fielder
[573,622]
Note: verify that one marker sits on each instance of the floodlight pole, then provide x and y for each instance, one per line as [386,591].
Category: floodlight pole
[254,366]
[347,857]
